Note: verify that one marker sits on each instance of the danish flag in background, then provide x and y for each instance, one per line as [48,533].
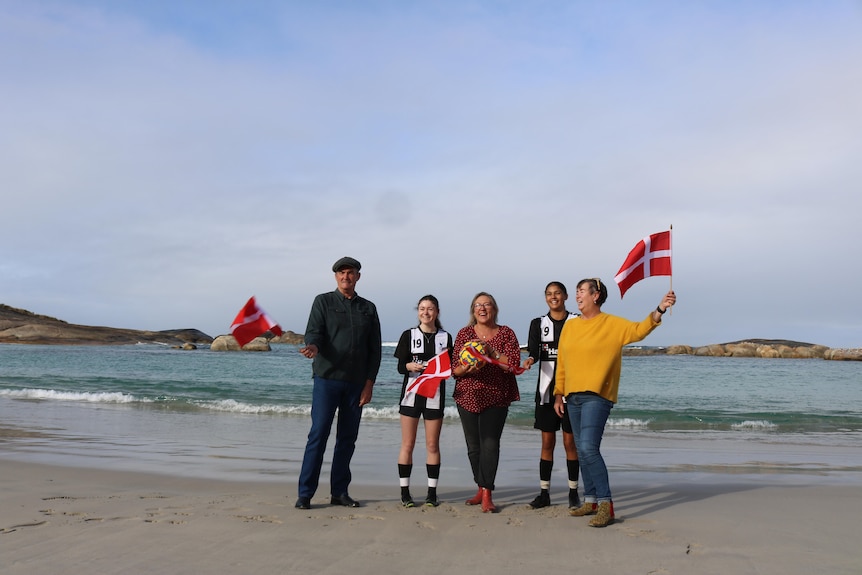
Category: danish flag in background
[439,368]
[650,257]
[250,322]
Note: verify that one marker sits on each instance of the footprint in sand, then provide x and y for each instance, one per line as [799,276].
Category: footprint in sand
[258,519]
[5,530]
[515,521]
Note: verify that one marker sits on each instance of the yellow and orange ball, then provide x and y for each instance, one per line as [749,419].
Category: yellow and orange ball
[467,358]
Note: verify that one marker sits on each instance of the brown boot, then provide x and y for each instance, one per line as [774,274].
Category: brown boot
[488,505]
[604,515]
[476,499]
[588,508]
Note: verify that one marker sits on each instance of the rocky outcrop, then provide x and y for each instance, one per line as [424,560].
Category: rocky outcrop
[714,350]
[229,343]
[768,348]
[679,350]
[290,338]
[844,354]
[22,326]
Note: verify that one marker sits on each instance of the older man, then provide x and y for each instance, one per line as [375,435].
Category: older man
[343,340]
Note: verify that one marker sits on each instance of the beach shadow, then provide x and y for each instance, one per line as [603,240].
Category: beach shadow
[641,501]
[632,502]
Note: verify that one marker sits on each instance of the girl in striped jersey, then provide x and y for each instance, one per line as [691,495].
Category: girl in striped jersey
[542,341]
[415,347]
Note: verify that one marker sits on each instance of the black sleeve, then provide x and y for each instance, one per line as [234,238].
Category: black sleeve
[534,339]
[451,349]
[402,352]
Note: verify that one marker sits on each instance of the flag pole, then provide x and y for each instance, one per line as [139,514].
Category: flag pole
[670,237]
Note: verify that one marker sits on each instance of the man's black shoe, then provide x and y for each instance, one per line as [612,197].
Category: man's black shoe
[345,500]
[303,503]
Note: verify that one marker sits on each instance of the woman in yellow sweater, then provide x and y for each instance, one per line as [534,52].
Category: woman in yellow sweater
[589,359]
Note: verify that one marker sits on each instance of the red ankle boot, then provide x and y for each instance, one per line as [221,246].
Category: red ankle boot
[476,499]
[487,504]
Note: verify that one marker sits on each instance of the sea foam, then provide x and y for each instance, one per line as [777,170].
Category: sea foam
[88,396]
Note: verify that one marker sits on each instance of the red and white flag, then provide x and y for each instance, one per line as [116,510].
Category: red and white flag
[439,368]
[650,257]
[252,321]
[488,359]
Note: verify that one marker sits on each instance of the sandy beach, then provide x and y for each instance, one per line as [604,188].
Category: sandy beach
[137,460]
[61,519]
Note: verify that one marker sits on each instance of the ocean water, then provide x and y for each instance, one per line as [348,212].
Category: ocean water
[245,415]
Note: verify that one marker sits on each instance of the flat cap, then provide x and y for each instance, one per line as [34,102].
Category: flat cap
[346,262]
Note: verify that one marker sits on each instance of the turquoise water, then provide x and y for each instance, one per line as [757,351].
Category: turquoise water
[245,415]
[660,393]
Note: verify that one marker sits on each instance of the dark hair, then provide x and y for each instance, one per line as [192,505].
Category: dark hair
[559,285]
[473,303]
[436,303]
[596,286]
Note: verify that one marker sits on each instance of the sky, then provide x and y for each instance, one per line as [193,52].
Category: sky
[162,161]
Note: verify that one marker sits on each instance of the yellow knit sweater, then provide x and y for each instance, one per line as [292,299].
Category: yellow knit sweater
[590,354]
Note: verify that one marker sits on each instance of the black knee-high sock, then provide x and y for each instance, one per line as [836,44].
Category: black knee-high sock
[433,476]
[404,471]
[545,468]
[574,467]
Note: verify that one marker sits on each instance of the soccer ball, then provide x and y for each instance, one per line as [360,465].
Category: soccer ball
[469,359]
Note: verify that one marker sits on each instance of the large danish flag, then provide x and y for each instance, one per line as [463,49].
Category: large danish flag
[650,257]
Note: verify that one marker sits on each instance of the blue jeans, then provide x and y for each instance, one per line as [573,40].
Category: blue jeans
[588,414]
[327,397]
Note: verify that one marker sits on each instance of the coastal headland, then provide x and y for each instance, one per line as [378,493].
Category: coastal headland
[22,326]
[25,327]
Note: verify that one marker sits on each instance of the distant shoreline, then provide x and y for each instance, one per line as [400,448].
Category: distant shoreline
[18,326]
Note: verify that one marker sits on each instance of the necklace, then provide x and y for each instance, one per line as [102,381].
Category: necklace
[490,335]
[428,336]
